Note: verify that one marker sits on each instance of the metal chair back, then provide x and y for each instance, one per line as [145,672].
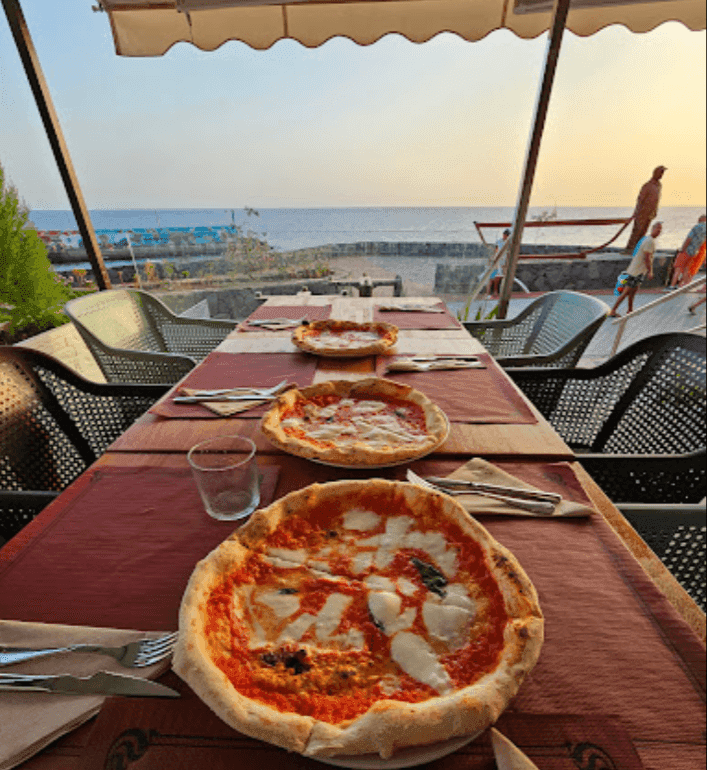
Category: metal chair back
[552,331]
[54,423]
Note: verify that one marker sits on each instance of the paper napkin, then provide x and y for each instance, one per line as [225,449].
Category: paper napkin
[226,408]
[508,756]
[29,721]
[480,470]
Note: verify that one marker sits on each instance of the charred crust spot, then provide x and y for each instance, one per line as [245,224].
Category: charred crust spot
[270,658]
[504,564]
[523,633]
[345,674]
[286,591]
[331,533]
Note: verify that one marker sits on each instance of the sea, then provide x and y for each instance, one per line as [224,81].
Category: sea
[296,228]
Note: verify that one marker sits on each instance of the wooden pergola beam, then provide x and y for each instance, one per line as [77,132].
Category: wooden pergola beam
[42,97]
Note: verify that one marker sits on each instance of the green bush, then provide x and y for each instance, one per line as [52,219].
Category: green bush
[31,293]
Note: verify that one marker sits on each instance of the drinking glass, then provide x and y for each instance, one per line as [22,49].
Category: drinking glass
[226,473]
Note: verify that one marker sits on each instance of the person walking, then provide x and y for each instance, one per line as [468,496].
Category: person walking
[691,255]
[641,265]
[497,275]
[646,208]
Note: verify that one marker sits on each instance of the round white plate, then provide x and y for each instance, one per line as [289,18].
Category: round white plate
[409,757]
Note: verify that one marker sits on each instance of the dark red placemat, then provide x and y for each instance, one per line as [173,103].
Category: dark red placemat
[231,370]
[160,734]
[409,319]
[294,312]
[120,553]
[467,395]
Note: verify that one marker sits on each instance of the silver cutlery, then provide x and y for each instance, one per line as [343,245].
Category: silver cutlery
[145,652]
[244,390]
[410,309]
[441,357]
[102,683]
[278,321]
[481,486]
[222,399]
[541,507]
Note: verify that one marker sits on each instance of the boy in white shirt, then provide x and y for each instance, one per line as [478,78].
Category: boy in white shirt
[640,266]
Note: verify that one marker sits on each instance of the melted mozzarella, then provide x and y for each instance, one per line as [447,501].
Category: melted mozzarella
[418,660]
[330,615]
[447,623]
[360,519]
[283,605]
[295,557]
[297,629]
[434,544]
[379,583]
[384,607]
[362,561]
[406,587]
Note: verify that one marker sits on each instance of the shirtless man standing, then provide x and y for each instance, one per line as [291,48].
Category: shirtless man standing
[640,266]
[646,208]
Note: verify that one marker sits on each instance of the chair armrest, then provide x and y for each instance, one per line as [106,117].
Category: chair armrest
[664,478]
[205,323]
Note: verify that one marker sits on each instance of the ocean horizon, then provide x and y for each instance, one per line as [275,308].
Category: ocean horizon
[296,228]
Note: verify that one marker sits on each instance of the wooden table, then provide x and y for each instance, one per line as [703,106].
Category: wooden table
[155,434]
[597,585]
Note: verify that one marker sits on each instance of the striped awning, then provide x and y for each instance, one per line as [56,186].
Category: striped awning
[152,27]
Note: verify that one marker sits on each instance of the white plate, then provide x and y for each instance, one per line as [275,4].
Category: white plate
[409,757]
[380,465]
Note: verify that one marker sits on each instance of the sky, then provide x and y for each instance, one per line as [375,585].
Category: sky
[444,123]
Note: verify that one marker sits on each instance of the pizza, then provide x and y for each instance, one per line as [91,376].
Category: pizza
[366,422]
[342,339]
[358,617]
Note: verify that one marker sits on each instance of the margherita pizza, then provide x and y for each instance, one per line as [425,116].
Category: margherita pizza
[364,423]
[357,617]
[345,339]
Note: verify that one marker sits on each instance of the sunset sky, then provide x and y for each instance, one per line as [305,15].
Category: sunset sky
[444,123]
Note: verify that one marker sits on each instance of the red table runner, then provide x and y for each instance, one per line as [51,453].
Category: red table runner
[467,395]
[121,549]
[292,312]
[230,370]
[120,552]
[184,733]
[409,319]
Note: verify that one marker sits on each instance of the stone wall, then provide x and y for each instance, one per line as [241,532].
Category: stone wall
[595,272]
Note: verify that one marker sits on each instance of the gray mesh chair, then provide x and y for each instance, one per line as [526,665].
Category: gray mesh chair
[135,338]
[552,331]
[676,534]
[637,420]
[53,425]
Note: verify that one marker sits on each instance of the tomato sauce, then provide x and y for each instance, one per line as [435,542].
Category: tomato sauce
[339,686]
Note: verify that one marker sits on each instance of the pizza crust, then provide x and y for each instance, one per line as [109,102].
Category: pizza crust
[389,724]
[359,453]
[305,338]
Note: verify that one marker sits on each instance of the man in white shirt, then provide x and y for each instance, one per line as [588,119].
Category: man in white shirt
[640,266]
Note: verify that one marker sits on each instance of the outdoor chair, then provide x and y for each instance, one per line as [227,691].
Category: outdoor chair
[136,338]
[637,421]
[553,331]
[676,534]
[53,425]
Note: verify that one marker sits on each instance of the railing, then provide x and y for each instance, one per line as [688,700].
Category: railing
[621,322]
[560,223]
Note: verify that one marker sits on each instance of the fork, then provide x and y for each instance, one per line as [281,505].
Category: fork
[254,390]
[144,652]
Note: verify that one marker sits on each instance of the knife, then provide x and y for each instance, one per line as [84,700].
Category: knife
[101,683]
[241,397]
[526,494]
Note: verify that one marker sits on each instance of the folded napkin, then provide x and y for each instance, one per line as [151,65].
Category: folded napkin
[508,756]
[412,365]
[480,470]
[29,721]
[408,307]
[227,408]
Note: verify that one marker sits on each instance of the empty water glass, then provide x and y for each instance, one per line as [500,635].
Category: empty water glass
[226,474]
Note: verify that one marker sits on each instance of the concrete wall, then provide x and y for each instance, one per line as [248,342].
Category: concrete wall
[594,272]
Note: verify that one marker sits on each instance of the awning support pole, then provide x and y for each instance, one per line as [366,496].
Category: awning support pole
[531,157]
[42,97]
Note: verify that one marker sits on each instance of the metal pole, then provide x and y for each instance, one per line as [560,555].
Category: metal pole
[42,97]
[533,150]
